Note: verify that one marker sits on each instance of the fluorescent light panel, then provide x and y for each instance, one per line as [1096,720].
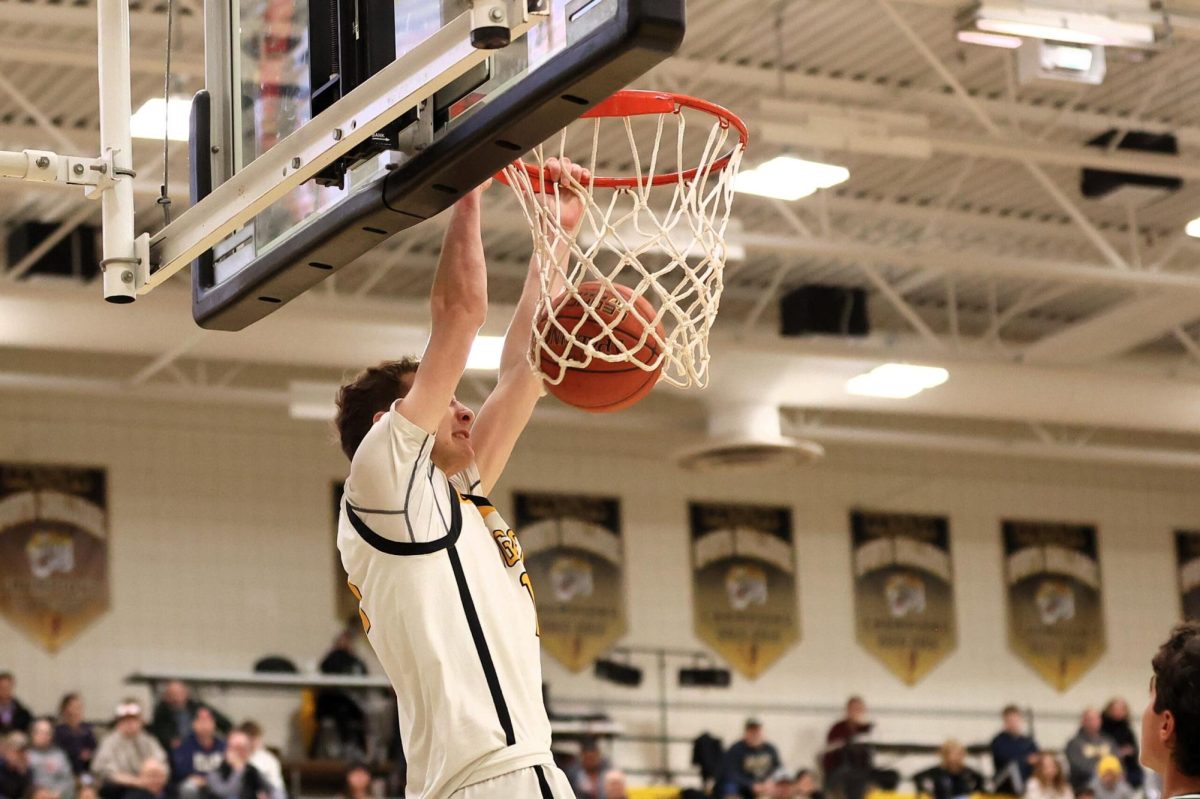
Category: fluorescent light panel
[1051,21]
[789,178]
[148,122]
[897,381]
[1193,228]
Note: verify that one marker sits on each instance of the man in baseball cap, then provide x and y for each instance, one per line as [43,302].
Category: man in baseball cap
[118,765]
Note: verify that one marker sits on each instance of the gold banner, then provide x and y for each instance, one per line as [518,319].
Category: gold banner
[574,556]
[53,550]
[903,590]
[1055,598]
[744,583]
[1187,553]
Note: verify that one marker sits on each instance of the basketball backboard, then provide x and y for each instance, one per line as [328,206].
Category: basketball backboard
[270,64]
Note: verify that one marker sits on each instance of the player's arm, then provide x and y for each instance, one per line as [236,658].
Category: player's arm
[457,309]
[507,409]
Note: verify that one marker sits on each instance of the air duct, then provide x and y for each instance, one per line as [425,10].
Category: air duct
[747,436]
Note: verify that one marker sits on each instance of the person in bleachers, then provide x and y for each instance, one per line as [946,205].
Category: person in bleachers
[357,784]
[587,773]
[614,785]
[803,785]
[750,765]
[1110,780]
[119,761]
[263,758]
[951,778]
[1086,748]
[49,765]
[1114,722]
[848,761]
[1013,754]
[337,711]
[1048,780]
[173,714]
[15,780]
[236,778]
[73,735]
[196,756]
[153,780]
[14,717]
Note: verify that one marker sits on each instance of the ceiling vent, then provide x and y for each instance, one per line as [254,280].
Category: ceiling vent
[747,436]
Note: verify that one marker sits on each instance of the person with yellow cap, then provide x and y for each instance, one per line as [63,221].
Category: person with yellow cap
[1110,780]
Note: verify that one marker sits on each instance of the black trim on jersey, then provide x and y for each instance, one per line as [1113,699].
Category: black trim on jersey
[542,784]
[390,547]
[478,500]
[481,647]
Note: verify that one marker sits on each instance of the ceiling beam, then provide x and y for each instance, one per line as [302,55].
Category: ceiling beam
[83,56]
[1115,331]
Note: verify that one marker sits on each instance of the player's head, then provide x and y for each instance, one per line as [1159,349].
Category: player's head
[365,399]
[1171,721]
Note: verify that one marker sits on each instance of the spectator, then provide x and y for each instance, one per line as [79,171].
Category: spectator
[614,785]
[848,759]
[1114,722]
[172,721]
[804,786]
[1013,754]
[73,735]
[14,717]
[587,774]
[15,779]
[236,778]
[358,782]
[951,778]
[49,766]
[122,755]
[152,780]
[750,764]
[197,755]
[1171,720]
[1110,780]
[1048,780]
[338,714]
[262,758]
[1086,748]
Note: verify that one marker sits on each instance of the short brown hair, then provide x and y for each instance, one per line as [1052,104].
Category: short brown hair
[371,391]
[1177,689]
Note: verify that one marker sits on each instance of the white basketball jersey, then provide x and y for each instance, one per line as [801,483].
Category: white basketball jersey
[448,608]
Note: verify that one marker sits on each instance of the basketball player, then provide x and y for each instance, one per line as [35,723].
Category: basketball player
[439,575]
[1171,721]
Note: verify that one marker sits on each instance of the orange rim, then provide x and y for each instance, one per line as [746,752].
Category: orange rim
[632,103]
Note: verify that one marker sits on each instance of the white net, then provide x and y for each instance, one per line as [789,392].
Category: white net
[655,244]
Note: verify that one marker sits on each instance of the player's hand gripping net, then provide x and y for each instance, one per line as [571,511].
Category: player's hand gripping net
[659,232]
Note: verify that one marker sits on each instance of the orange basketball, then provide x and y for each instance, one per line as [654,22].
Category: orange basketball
[601,386]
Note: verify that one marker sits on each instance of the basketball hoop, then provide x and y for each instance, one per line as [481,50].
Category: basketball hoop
[658,232]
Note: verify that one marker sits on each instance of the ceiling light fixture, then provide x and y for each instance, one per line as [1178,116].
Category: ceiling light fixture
[989,39]
[789,178]
[897,381]
[1114,23]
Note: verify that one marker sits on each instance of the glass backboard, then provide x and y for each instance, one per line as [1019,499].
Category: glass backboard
[271,63]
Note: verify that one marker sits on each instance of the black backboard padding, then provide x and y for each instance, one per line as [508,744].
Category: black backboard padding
[642,35]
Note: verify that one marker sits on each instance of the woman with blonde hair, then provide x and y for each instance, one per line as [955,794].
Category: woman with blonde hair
[951,778]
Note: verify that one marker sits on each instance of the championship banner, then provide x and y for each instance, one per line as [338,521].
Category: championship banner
[1187,553]
[53,550]
[574,556]
[903,590]
[744,583]
[345,605]
[1055,610]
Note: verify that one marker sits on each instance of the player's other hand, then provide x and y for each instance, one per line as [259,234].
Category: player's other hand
[567,174]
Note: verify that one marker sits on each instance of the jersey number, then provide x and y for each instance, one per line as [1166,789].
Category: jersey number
[525,581]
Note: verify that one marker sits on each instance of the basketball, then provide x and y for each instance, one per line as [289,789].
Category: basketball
[602,386]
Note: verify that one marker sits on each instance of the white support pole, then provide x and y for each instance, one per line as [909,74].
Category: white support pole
[119,261]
